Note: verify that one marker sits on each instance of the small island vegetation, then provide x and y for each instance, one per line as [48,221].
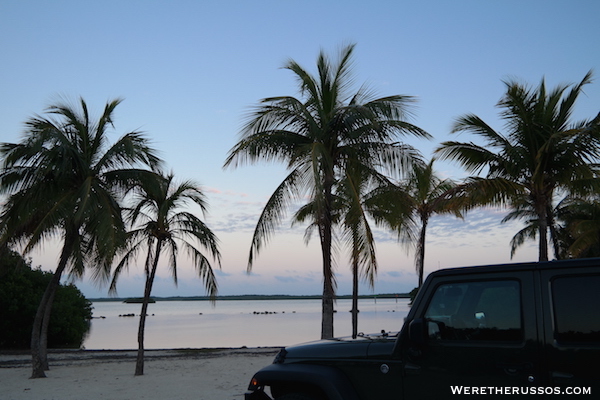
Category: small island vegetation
[138,300]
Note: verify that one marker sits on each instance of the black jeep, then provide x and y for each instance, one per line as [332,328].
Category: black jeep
[498,331]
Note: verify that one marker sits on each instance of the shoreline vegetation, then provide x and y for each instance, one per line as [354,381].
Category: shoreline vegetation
[251,297]
[137,300]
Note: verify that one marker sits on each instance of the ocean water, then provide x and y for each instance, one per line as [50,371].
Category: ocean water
[234,323]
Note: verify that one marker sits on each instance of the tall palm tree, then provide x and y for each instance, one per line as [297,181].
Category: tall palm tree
[350,213]
[64,181]
[541,153]
[420,196]
[162,225]
[316,137]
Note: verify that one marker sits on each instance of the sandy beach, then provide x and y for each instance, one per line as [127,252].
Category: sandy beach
[202,374]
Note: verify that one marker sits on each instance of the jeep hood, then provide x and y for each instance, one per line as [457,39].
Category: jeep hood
[346,347]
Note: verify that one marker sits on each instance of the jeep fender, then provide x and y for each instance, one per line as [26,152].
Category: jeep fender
[331,381]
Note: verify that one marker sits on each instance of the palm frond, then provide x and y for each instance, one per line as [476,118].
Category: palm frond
[273,212]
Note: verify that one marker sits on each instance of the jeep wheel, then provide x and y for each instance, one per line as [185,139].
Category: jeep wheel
[295,396]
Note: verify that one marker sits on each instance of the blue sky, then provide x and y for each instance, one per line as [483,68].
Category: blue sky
[190,71]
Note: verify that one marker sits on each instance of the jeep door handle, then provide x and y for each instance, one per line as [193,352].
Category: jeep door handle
[412,369]
[514,369]
[562,375]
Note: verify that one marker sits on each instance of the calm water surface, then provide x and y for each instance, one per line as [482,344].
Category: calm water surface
[234,323]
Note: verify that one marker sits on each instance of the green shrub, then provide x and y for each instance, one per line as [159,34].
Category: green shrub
[21,289]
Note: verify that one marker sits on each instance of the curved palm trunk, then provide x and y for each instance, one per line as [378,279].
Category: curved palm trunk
[39,332]
[139,364]
[41,322]
[45,326]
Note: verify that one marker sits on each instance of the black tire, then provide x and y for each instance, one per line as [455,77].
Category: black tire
[295,396]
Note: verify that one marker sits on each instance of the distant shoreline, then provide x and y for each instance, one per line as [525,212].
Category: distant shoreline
[257,297]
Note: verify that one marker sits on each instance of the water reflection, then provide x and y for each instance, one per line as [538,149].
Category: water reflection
[234,323]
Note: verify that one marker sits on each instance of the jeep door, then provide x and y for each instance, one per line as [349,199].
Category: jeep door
[572,327]
[479,334]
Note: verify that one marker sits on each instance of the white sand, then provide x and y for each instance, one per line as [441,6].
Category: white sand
[221,374]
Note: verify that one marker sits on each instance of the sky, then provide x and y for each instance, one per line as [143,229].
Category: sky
[191,71]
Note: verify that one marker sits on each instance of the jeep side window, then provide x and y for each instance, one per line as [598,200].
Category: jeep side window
[576,301]
[483,311]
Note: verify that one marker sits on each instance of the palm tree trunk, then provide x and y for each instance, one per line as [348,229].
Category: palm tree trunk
[39,332]
[355,295]
[139,364]
[328,288]
[325,230]
[420,258]
[543,242]
[553,233]
[37,351]
[543,231]
[44,331]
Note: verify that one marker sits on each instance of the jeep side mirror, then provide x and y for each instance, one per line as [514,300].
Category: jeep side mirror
[416,330]
[480,318]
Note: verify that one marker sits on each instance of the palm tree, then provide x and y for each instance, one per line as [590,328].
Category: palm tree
[526,211]
[353,190]
[430,195]
[541,154]
[350,212]
[64,181]
[160,225]
[579,227]
[316,137]
[419,197]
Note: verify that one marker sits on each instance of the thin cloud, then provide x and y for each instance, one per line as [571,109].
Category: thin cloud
[286,279]
[394,274]
[229,193]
